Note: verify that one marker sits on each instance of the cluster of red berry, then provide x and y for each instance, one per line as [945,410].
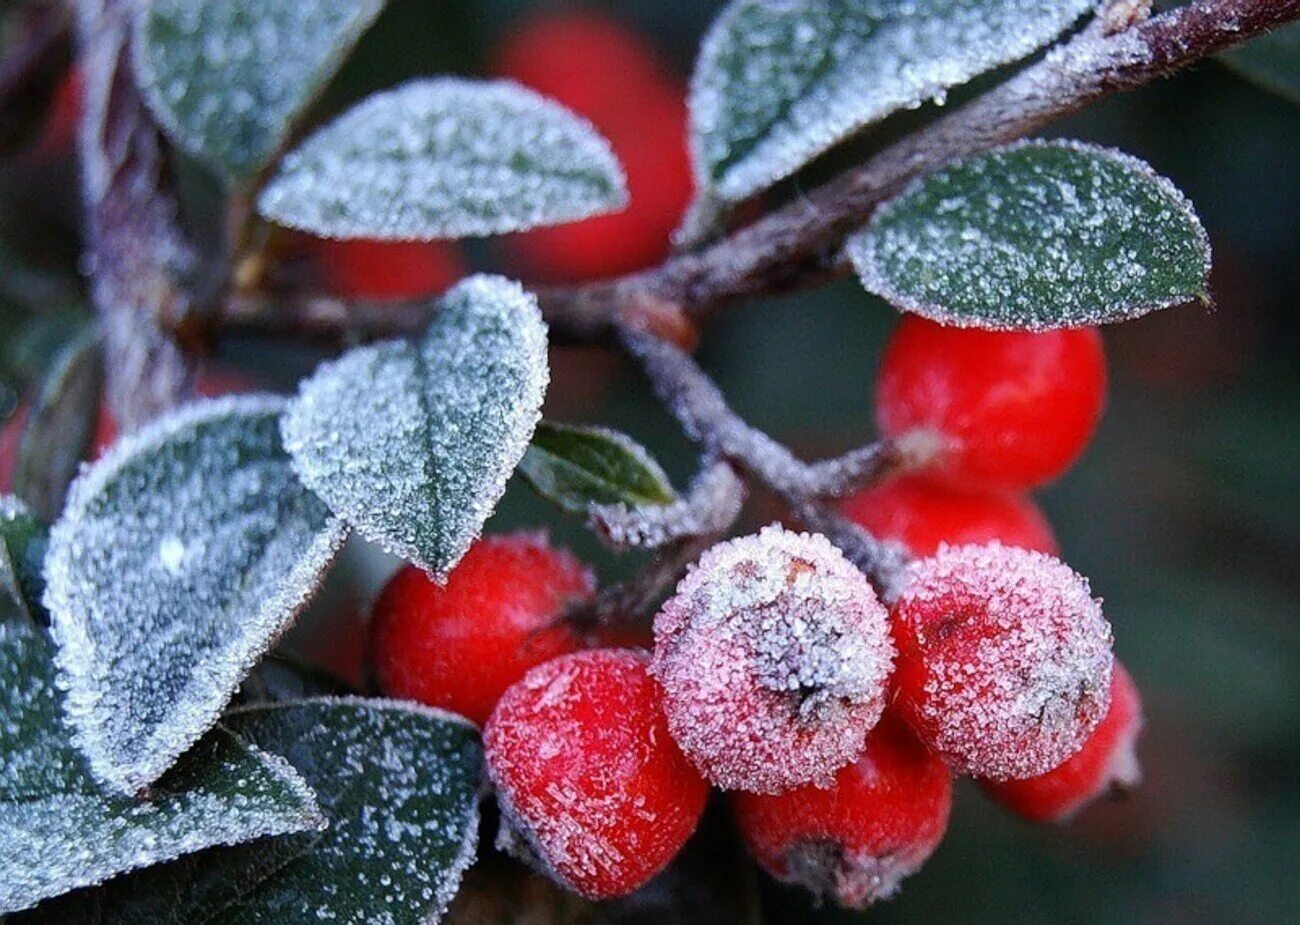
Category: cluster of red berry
[778,674]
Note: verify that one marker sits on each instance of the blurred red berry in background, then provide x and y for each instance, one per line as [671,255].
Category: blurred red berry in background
[381,270]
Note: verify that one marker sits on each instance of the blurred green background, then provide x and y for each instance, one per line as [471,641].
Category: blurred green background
[1185,513]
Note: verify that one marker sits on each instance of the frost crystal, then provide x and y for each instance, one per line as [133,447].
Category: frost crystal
[773,656]
[58,831]
[781,81]
[446,158]
[180,557]
[1036,235]
[226,78]
[413,443]
[1015,658]
[400,786]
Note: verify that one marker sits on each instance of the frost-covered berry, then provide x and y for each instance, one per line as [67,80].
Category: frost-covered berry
[855,840]
[592,788]
[1107,762]
[459,646]
[601,69]
[1011,409]
[922,515]
[387,269]
[774,655]
[1004,659]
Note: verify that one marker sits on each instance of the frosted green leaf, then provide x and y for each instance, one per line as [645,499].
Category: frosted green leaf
[180,557]
[1271,60]
[412,443]
[779,82]
[576,467]
[22,550]
[227,78]
[1035,236]
[446,158]
[59,831]
[399,784]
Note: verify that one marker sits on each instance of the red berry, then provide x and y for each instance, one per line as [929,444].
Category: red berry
[460,645]
[387,269]
[590,783]
[1011,409]
[1107,762]
[856,840]
[602,70]
[60,130]
[11,435]
[774,655]
[922,514]
[1004,659]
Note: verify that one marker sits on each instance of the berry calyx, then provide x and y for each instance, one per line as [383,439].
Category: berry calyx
[1010,409]
[923,514]
[604,71]
[855,840]
[1004,659]
[363,269]
[774,655]
[1106,763]
[591,786]
[460,645]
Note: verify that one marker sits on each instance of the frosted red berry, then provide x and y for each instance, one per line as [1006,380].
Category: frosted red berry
[601,69]
[460,645]
[591,786]
[1010,409]
[1004,659]
[381,270]
[855,840]
[923,514]
[774,655]
[1107,762]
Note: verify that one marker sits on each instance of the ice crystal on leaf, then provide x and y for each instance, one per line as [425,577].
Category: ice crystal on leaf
[180,557]
[773,656]
[1036,235]
[412,443]
[59,831]
[399,784]
[226,78]
[781,81]
[446,158]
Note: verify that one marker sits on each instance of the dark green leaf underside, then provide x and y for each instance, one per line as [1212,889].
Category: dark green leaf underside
[576,467]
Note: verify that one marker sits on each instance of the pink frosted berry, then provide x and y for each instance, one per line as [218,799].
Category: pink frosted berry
[1004,659]
[774,656]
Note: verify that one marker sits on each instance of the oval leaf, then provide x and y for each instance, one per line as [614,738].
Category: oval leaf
[1036,236]
[1272,60]
[227,78]
[181,556]
[399,784]
[576,467]
[412,443]
[22,550]
[778,83]
[446,158]
[58,831]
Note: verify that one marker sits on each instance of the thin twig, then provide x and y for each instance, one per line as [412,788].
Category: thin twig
[801,242]
[709,506]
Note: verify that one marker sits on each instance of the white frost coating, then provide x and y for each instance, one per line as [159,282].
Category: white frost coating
[12,507]
[1007,240]
[59,832]
[779,82]
[446,158]
[400,783]
[774,656]
[711,504]
[413,443]
[181,556]
[226,78]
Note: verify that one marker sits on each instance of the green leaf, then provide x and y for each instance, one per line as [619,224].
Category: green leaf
[228,78]
[778,83]
[60,427]
[400,786]
[576,467]
[446,158]
[180,557]
[59,831]
[22,551]
[1038,235]
[412,443]
[1272,60]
